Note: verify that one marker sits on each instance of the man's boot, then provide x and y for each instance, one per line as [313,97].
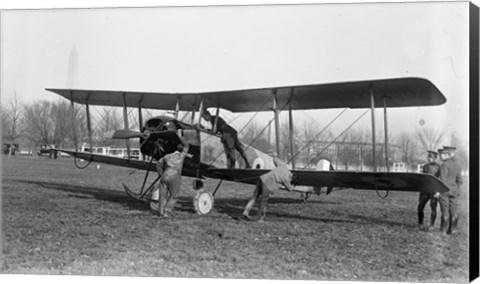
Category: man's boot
[420,218]
[443,225]
[455,223]
[432,221]
[450,226]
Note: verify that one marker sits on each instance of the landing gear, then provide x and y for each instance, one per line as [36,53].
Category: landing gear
[203,202]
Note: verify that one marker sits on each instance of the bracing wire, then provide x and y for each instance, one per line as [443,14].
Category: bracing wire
[260,133]
[258,136]
[318,134]
[333,141]
[248,122]
[255,115]
[184,116]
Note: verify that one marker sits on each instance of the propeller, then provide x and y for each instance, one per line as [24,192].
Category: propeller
[164,136]
[128,134]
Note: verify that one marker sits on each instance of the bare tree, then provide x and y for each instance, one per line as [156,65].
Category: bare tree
[60,114]
[51,123]
[347,150]
[308,139]
[429,138]
[285,141]
[361,137]
[255,136]
[12,120]
[383,152]
[251,132]
[109,121]
[39,125]
[408,147]
[311,143]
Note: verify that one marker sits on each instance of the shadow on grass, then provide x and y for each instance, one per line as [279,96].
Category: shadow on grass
[97,193]
[348,218]
[232,207]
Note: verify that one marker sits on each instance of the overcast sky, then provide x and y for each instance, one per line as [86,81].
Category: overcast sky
[194,49]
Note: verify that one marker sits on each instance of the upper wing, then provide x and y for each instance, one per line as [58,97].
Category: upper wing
[398,92]
[358,180]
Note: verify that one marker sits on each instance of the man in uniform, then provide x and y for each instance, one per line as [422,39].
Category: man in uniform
[229,138]
[434,169]
[451,175]
[452,151]
[169,167]
[272,180]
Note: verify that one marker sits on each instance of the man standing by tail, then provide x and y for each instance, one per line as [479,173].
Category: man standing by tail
[272,180]
[432,168]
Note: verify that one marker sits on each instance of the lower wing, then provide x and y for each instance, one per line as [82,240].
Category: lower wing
[413,182]
[346,179]
[116,161]
[121,162]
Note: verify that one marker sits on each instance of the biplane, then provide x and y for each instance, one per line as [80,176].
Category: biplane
[207,159]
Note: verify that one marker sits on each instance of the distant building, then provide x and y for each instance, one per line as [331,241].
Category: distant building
[114,152]
[359,155]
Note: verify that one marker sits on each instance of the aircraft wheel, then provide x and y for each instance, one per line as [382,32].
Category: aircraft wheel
[203,202]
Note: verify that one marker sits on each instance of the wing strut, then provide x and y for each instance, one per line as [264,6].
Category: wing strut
[140,126]
[177,107]
[385,123]
[198,180]
[140,118]
[372,108]
[214,128]
[192,119]
[277,123]
[290,122]
[72,107]
[125,123]
[89,127]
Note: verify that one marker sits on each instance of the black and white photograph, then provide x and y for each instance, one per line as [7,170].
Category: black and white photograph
[210,141]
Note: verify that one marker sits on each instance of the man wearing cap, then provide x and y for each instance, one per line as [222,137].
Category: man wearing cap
[452,151]
[451,175]
[432,168]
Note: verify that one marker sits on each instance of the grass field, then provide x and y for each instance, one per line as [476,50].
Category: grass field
[57,219]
